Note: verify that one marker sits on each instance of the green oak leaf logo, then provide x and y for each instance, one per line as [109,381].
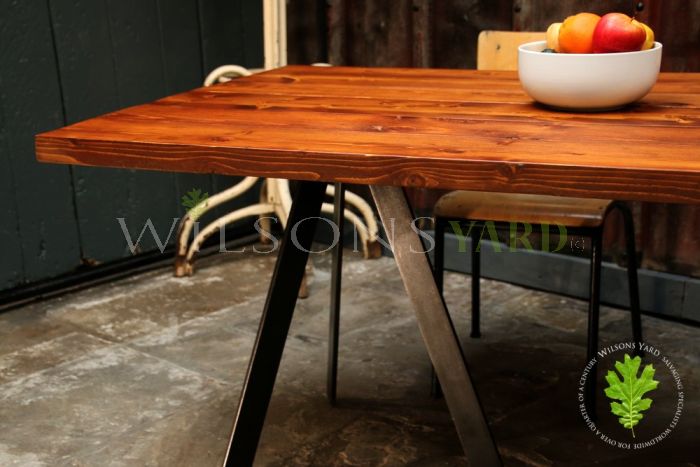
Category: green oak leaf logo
[630,390]
[193,202]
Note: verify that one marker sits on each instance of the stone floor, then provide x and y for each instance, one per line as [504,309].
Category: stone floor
[147,371]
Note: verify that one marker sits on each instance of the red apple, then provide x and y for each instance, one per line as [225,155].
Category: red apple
[616,32]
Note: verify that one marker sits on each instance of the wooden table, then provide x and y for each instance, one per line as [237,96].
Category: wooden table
[392,128]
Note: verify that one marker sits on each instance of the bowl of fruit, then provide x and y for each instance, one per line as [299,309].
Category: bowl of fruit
[591,63]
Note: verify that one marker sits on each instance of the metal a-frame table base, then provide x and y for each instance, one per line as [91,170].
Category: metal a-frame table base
[433,319]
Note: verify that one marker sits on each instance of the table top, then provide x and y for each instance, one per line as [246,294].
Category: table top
[448,129]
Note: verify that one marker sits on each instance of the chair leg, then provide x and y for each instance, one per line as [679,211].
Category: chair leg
[476,287]
[439,261]
[336,276]
[632,278]
[274,325]
[593,320]
[304,287]
[438,272]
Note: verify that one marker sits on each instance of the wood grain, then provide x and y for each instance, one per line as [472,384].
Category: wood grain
[449,129]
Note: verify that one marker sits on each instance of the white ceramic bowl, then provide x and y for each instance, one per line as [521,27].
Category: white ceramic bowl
[587,82]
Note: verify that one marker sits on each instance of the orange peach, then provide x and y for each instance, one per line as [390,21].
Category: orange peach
[576,33]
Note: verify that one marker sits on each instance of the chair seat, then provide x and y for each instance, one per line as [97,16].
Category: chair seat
[535,209]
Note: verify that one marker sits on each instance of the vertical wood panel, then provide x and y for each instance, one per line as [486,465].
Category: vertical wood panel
[110,56]
[306,31]
[337,32]
[231,33]
[86,63]
[136,49]
[85,58]
[537,15]
[457,24]
[670,238]
[421,29]
[182,54]
[84,50]
[221,32]
[370,33]
[380,33]
[252,33]
[12,269]
[677,23]
[31,102]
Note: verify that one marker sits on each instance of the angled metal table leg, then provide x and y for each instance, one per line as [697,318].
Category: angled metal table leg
[274,325]
[436,328]
[336,283]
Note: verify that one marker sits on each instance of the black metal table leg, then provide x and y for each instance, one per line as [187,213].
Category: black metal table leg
[439,273]
[476,285]
[436,328]
[632,277]
[593,321]
[336,276]
[274,325]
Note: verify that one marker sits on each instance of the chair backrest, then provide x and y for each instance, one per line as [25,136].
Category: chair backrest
[498,50]
[226,73]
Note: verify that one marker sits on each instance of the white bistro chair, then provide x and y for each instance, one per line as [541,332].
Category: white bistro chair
[275,199]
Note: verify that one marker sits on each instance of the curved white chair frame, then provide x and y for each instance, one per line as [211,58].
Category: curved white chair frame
[275,198]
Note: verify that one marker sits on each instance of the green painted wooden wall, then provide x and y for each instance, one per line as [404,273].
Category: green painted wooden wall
[62,61]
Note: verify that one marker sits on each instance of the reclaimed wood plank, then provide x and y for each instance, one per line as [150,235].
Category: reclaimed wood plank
[307,31]
[337,32]
[526,149]
[683,107]
[373,33]
[457,24]
[537,15]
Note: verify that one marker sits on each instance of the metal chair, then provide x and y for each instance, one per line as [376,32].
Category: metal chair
[580,216]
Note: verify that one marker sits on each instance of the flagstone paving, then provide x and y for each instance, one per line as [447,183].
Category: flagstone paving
[147,371]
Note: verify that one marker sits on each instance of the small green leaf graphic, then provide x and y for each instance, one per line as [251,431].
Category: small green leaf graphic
[630,390]
[192,200]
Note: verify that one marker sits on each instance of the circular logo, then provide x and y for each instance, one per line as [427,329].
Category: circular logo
[642,394]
